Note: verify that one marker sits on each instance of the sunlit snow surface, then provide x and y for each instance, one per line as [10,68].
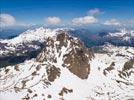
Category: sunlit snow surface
[96,87]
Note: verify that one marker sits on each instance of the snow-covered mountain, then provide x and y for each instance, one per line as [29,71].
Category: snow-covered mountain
[123,37]
[25,46]
[26,40]
[120,37]
[67,70]
[123,34]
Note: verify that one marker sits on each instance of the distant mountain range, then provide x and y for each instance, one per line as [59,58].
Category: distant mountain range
[121,37]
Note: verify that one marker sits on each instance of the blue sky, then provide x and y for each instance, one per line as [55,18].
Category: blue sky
[36,11]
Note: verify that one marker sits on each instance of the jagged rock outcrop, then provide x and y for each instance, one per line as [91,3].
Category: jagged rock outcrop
[127,69]
[69,51]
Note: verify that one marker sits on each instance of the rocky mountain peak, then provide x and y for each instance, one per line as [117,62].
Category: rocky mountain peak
[62,56]
[70,52]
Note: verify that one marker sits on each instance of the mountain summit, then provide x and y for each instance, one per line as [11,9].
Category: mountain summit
[69,52]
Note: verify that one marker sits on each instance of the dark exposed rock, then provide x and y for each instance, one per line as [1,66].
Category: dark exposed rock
[128,65]
[78,61]
[29,90]
[53,73]
[65,91]
[49,96]
[16,67]
[126,70]
[26,97]
[34,73]
[108,69]
[7,70]
[76,57]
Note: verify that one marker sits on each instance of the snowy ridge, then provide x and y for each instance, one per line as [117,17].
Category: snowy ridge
[123,33]
[27,40]
[38,34]
[119,50]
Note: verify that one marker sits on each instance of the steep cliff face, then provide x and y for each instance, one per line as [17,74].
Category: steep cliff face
[69,51]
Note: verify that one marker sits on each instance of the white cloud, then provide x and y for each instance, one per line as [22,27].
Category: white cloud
[53,20]
[86,20]
[7,20]
[112,22]
[94,12]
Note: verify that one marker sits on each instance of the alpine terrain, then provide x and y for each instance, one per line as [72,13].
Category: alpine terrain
[52,64]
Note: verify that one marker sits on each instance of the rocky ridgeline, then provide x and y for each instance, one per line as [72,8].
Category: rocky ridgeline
[69,51]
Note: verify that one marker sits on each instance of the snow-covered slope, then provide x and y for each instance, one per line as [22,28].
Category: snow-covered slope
[31,35]
[66,69]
